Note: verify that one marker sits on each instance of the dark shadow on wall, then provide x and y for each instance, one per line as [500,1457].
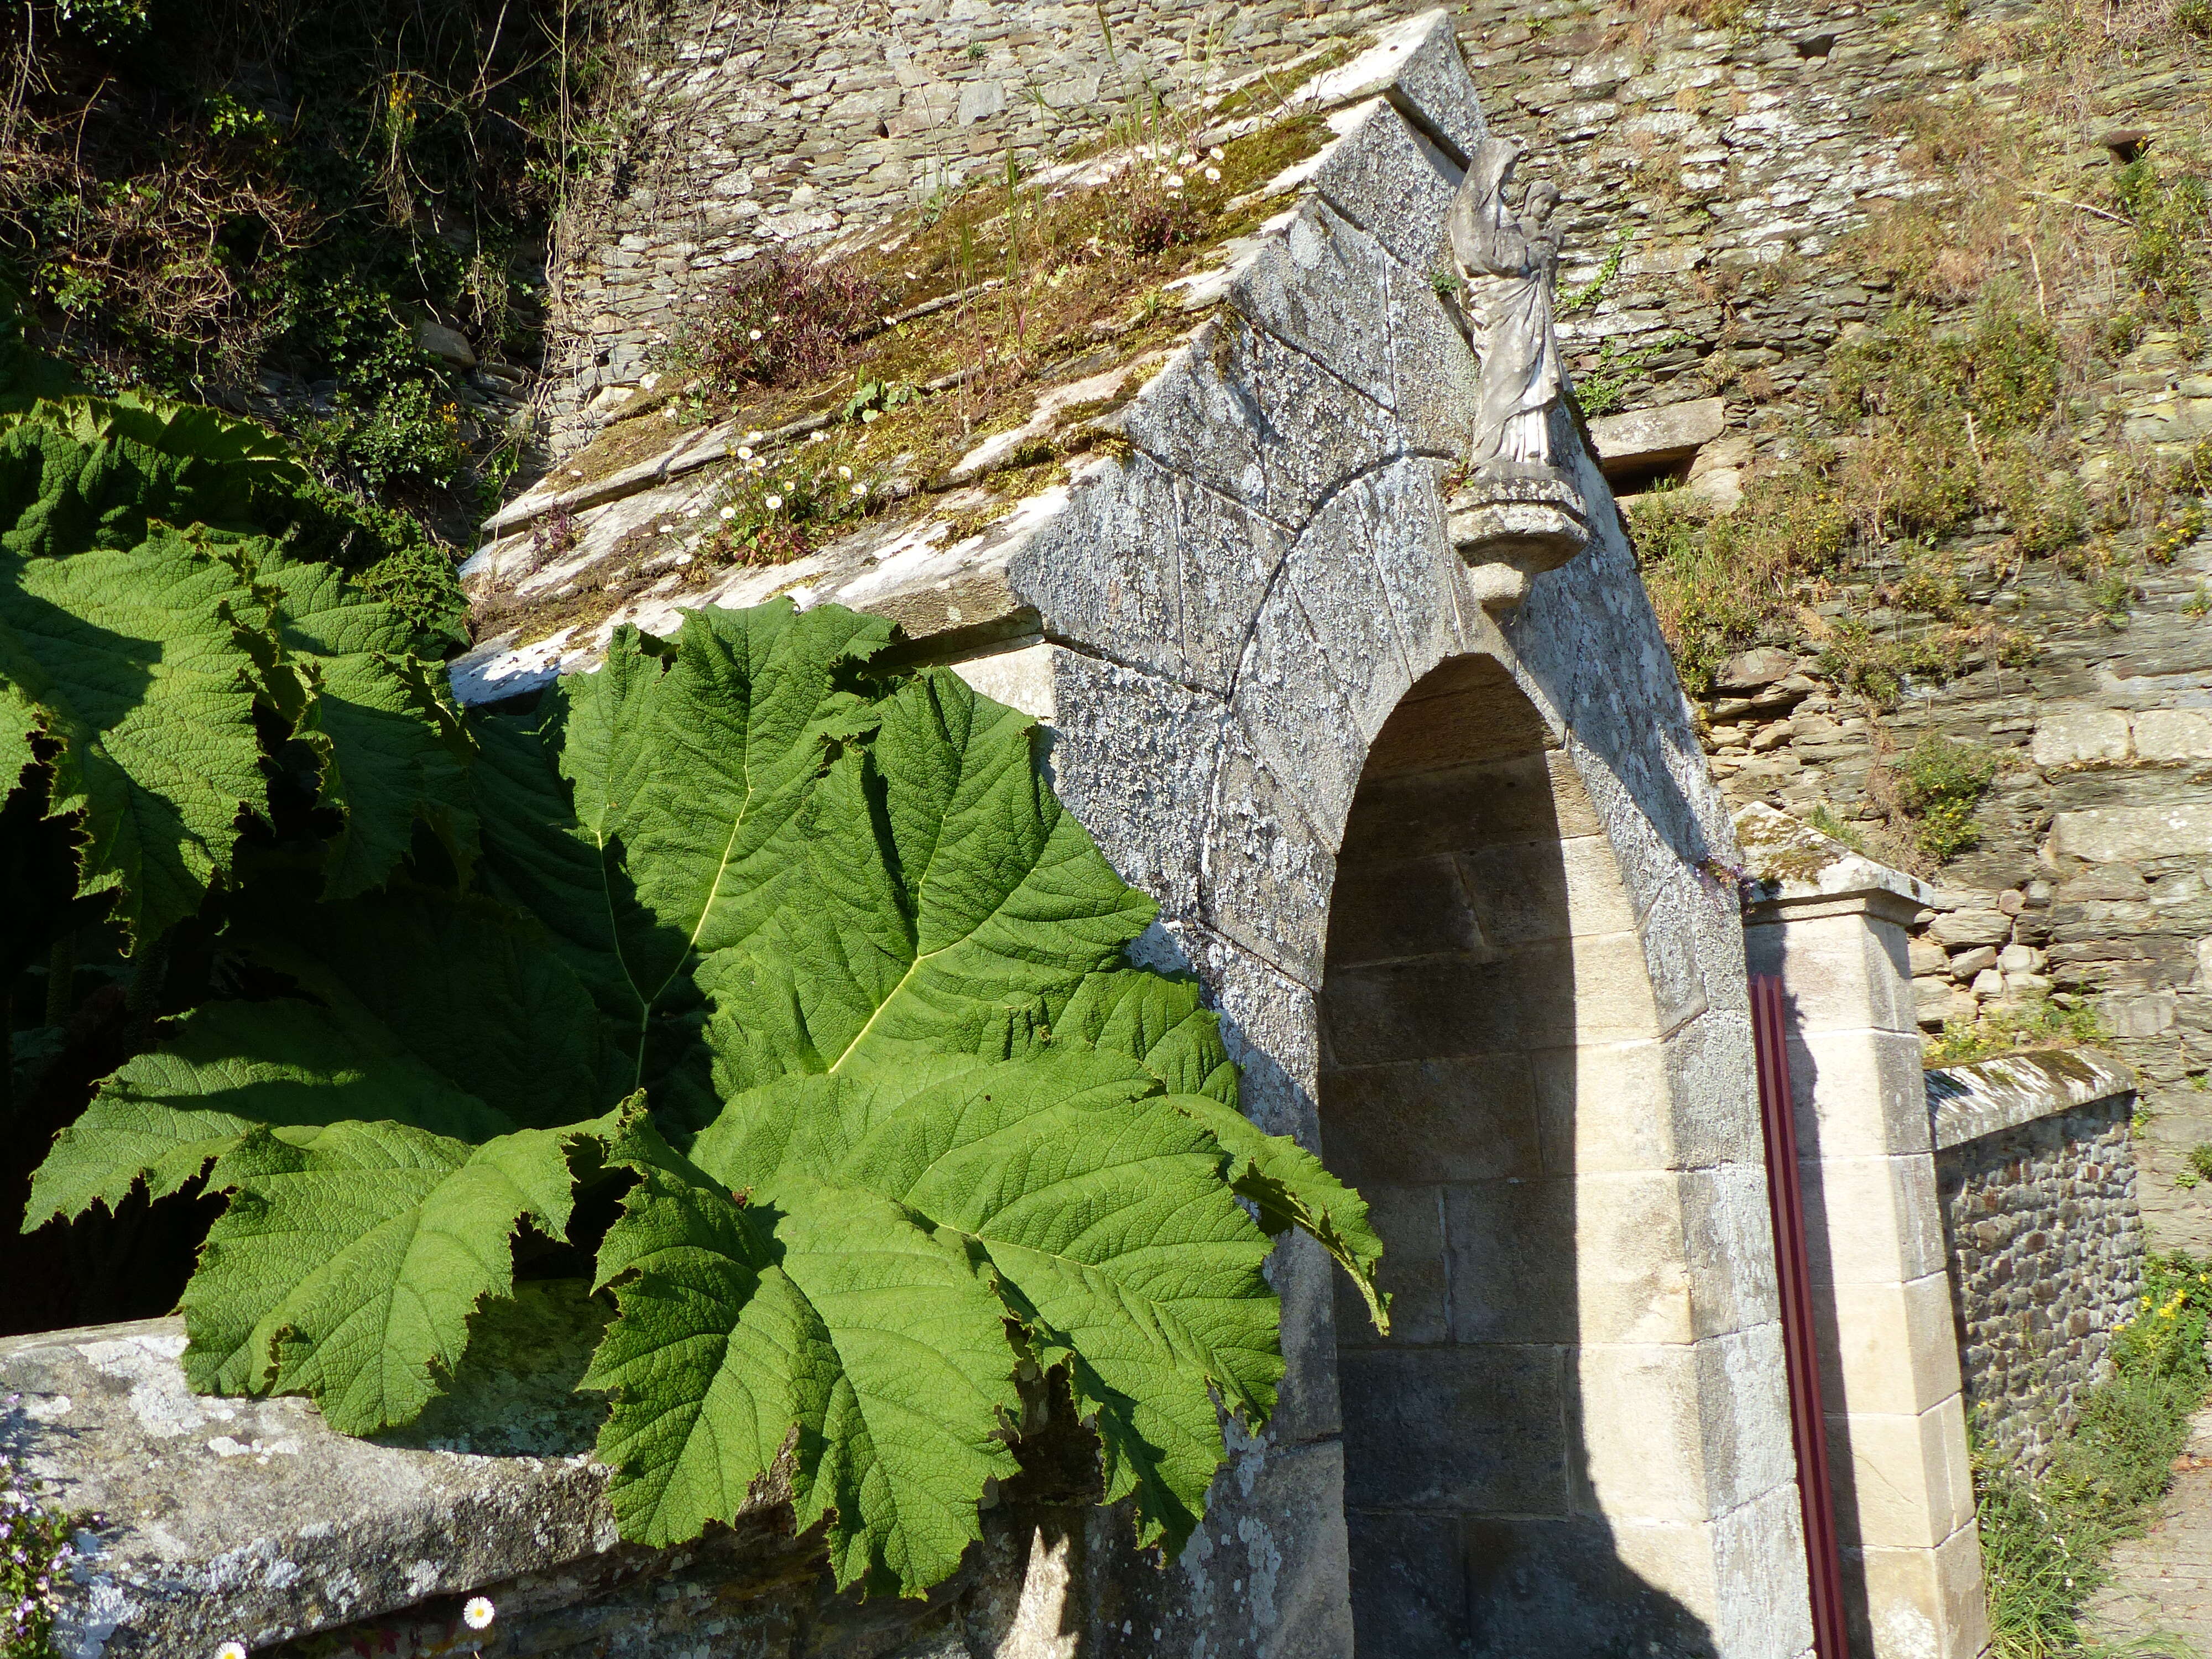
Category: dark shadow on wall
[1448,1094]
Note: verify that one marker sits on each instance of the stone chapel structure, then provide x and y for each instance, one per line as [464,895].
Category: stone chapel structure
[1395,741]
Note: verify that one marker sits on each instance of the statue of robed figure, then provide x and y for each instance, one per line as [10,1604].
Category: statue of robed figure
[1507,266]
[1515,514]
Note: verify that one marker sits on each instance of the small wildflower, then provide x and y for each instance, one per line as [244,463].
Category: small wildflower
[1185,158]
[1175,181]
[478,1615]
[847,472]
[231,1650]
[729,513]
[755,435]
[756,334]
[859,489]
[817,437]
[1213,175]
[1216,153]
[771,502]
[745,452]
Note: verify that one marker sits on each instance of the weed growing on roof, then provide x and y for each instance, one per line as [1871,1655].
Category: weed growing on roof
[778,508]
[781,319]
[2045,1543]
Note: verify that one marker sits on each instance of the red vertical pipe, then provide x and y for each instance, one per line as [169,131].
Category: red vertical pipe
[1809,1426]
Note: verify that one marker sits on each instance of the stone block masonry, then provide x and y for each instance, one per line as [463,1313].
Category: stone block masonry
[2036,1176]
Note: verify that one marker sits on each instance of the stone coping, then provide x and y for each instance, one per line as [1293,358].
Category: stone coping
[1791,867]
[1965,1102]
[208,1518]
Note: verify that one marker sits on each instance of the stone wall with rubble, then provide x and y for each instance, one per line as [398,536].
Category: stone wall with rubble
[2035,1172]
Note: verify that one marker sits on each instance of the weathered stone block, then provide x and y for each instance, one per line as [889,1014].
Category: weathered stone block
[2079,735]
[1404,1443]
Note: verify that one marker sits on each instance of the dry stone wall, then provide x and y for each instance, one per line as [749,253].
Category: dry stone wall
[2037,1188]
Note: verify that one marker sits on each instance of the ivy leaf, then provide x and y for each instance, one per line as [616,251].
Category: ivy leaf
[1158,1020]
[349,1260]
[393,747]
[833,1323]
[955,905]
[1100,1206]
[141,663]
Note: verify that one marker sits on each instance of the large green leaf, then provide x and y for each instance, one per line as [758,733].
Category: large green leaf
[391,744]
[831,1323]
[447,1015]
[653,822]
[954,904]
[1158,1020]
[233,1067]
[349,1260]
[1092,1206]
[140,661]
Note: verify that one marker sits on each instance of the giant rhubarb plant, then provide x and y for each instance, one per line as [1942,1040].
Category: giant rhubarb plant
[798,956]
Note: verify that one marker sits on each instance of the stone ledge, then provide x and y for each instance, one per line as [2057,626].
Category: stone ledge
[223,1518]
[1792,870]
[1965,1102]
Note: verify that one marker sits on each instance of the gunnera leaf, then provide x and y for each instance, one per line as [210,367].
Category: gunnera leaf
[141,663]
[1157,1019]
[953,904]
[1091,1208]
[835,1324]
[350,1258]
[393,747]
[653,821]
[448,1015]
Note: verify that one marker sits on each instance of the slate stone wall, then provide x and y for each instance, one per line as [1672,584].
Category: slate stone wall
[2047,1250]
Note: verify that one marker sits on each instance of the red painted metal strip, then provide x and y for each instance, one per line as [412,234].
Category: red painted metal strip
[1809,1426]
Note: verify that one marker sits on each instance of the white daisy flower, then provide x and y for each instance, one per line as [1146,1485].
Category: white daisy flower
[478,1615]
[844,471]
[755,435]
[231,1650]
[1213,175]
[745,452]
[1216,153]
[859,489]
[1175,181]
[756,334]
[771,502]
[817,437]
[1185,158]
[729,513]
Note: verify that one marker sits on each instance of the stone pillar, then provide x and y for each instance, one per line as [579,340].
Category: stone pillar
[1832,925]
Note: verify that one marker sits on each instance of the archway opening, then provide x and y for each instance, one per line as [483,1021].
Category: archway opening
[1491,1080]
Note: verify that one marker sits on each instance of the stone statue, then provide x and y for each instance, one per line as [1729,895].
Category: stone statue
[1516,515]
[1507,264]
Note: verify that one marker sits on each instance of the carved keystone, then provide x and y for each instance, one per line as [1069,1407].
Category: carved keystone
[1513,521]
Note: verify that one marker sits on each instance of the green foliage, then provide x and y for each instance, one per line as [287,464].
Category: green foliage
[2055,1021]
[1605,387]
[803,963]
[2045,1544]
[34,1546]
[1941,783]
[2168,220]
[1720,582]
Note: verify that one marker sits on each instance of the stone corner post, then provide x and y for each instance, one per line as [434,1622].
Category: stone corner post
[1831,924]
